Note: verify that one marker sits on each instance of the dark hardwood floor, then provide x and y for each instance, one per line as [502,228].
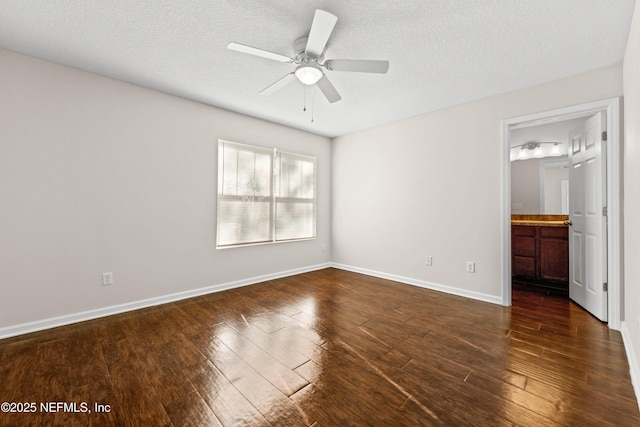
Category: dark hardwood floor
[326,348]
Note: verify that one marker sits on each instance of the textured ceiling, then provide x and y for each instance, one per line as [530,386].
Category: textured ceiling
[442,52]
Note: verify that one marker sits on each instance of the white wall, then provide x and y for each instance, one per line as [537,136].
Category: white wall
[431,185]
[631,72]
[98,175]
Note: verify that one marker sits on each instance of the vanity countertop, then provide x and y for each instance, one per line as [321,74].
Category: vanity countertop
[540,220]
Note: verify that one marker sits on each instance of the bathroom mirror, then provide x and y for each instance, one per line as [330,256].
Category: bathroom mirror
[540,186]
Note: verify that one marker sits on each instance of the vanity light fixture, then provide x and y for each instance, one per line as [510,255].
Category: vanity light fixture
[523,153]
[535,149]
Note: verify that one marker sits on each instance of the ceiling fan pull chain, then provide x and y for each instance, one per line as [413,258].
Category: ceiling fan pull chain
[312,106]
[304,102]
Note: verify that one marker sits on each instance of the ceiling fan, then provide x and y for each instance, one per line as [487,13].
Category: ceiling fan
[309,57]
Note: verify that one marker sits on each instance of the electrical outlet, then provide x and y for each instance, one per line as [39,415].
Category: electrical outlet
[107,279]
[428,261]
[471,267]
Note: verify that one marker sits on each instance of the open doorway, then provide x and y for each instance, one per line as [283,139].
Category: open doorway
[612,257]
[540,206]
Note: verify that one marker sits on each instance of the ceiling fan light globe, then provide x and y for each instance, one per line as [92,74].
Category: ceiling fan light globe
[308,74]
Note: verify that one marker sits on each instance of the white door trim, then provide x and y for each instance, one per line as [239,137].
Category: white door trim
[614,191]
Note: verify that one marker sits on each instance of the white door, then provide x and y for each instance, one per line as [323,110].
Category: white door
[587,215]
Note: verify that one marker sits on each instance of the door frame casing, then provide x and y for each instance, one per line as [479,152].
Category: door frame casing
[612,108]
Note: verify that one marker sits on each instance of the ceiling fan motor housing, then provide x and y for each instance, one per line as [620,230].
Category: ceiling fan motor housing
[300,54]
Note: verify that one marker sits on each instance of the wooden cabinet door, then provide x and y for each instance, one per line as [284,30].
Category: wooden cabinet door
[554,254]
[524,267]
[554,260]
[523,250]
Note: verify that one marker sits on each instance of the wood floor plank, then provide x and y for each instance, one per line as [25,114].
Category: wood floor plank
[285,379]
[229,406]
[378,408]
[271,402]
[315,401]
[281,344]
[192,411]
[327,348]
[165,376]
[99,394]
[444,399]
[556,408]
[613,410]
[138,403]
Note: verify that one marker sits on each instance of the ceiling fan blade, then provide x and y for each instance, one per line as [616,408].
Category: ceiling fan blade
[278,84]
[328,90]
[358,65]
[321,28]
[258,52]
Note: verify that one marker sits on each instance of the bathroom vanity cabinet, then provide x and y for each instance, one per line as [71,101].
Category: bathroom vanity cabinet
[540,254]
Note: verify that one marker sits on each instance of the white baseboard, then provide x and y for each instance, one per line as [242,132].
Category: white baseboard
[39,325]
[423,284]
[634,369]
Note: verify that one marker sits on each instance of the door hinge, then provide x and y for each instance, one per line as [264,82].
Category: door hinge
[604,211]
[604,135]
[605,287]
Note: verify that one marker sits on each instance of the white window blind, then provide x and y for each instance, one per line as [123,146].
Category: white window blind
[295,197]
[264,195]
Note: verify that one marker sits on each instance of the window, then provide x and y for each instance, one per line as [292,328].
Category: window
[264,195]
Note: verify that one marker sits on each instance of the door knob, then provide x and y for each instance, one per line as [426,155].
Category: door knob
[568,222]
